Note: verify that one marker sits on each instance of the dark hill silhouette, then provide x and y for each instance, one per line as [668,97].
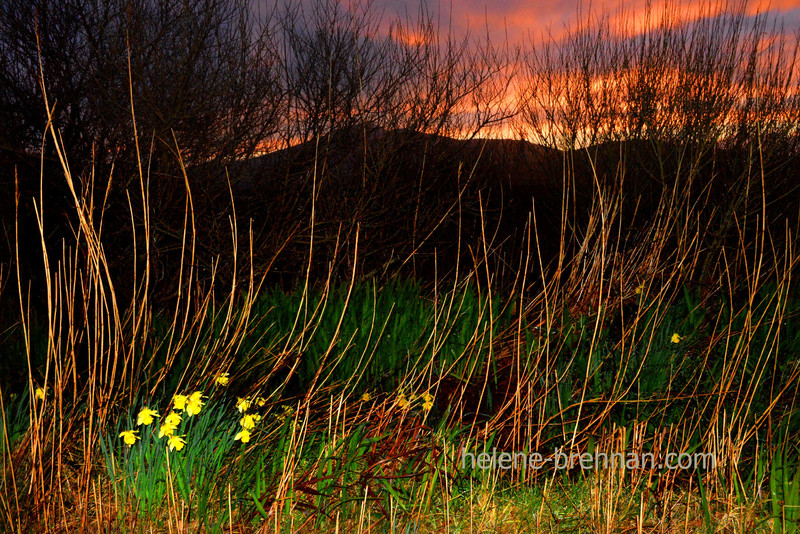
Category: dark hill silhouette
[401,190]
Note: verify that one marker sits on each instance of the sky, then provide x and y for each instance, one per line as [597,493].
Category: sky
[523,20]
[529,23]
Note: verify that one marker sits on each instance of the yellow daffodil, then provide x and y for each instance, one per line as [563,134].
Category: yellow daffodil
[243,436]
[172,419]
[146,416]
[640,289]
[195,404]
[426,406]
[179,402]
[676,338]
[222,379]
[39,393]
[129,436]
[249,421]
[166,430]
[243,404]
[193,408]
[402,402]
[176,443]
[366,397]
[427,397]
[260,401]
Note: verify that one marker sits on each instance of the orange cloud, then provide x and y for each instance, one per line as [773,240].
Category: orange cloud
[521,20]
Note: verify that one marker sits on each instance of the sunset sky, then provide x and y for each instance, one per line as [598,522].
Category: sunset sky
[528,24]
[532,22]
[531,19]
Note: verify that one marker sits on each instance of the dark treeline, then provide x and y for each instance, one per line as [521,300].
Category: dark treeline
[683,133]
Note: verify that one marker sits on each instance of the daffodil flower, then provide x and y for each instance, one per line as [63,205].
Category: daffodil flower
[129,436]
[176,442]
[146,416]
[172,419]
[261,401]
[676,338]
[402,402]
[179,402]
[243,436]
[366,397]
[39,393]
[426,406]
[195,404]
[249,421]
[222,379]
[242,404]
[427,397]
[639,289]
[193,408]
[166,430]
